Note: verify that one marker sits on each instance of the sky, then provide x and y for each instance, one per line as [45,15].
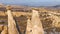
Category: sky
[32,2]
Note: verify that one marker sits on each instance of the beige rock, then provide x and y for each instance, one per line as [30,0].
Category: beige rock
[56,21]
[35,26]
[29,27]
[4,31]
[1,27]
[11,24]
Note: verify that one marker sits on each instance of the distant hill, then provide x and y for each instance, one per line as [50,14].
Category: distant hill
[57,6]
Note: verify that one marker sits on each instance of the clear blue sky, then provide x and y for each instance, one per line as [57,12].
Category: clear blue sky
[32,2]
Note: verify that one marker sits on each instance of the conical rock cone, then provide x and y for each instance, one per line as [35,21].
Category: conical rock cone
[36,23]
[11,24]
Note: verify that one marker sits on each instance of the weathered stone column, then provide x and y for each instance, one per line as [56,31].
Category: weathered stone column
[35,26]
[11,24]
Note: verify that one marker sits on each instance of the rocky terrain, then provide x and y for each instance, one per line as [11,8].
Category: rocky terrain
[50,18]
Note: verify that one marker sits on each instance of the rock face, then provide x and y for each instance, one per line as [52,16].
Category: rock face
[11,24]
[35,26]
[29,27]
[56,21]
[1,27]
[4,31]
